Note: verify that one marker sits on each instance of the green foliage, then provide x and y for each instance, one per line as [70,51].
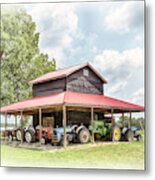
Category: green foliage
[21,60]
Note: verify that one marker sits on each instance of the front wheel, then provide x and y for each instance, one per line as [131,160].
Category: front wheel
[116,134]
[43,141]
[139,138]
[10,138]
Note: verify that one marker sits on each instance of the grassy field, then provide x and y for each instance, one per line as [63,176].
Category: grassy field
[99,155]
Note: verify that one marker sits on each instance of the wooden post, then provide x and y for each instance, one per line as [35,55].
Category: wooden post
[123,120]
[40,125]
[22,130]
[130,120]
[64,126]
[5,127]
[92,123]
[112,123]
[15,121]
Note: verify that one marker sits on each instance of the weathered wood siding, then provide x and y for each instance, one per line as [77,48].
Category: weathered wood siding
[49,87]
[78,82]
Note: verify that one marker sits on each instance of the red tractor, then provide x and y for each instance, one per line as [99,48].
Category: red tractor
[32,135]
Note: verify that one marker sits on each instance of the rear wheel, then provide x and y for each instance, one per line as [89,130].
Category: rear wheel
[139,138]
[129,135]
[116,133]
[84,136]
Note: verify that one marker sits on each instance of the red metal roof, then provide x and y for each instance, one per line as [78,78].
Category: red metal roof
[64,73]
[71,98]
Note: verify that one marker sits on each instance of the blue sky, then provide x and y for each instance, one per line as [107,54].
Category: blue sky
[109,35]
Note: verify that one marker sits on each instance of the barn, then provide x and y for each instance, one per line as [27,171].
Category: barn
[69,96]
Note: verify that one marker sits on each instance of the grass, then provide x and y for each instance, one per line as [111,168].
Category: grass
[100,155]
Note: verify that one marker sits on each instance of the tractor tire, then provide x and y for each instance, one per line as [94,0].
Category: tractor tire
[10,138]
[84,136]
[43,140]
[116,134]
[98,136]
[18,135]
[29,136]
[129,135]
[139,138]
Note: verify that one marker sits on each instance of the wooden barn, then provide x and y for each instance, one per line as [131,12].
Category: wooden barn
[74,95]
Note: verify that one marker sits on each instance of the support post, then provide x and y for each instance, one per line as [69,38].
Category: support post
[64,127]
[123,120]
[92,123]
[112,123]
[40,125]
[22,130]
[130,120]
[15,121]
[5,127]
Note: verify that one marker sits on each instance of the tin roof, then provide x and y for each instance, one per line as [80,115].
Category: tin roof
[64,73]
[71,98]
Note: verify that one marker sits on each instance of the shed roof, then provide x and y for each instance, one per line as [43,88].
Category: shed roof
[72,98]
[64,73]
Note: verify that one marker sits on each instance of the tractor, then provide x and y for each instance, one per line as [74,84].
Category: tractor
[32,135]
[103,130]
[128,134]
[74,133]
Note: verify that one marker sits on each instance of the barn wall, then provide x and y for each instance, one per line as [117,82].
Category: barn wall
[49,87]
[78,82]
[57,118]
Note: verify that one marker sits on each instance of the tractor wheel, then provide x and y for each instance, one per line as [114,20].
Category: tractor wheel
[84,136]
[10,138]
[29,136]
[98,136]
[129,135]
[139,138]
[116,133]
[18,135]
[43,141]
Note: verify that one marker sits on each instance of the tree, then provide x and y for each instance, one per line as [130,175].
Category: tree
[21,60]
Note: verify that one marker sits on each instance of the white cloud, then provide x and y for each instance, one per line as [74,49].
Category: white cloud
[57,24]
[113,59]
[138,96]
[117,87]
[139,37]
[121,69]
[124,15]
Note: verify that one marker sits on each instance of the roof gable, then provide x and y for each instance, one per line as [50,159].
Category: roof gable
[64,73]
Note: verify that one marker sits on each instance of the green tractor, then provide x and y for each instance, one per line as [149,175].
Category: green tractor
[103,130]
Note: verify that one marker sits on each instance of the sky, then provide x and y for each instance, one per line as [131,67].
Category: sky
[108,35]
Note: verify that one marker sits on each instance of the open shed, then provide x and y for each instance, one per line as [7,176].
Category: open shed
[71,96]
